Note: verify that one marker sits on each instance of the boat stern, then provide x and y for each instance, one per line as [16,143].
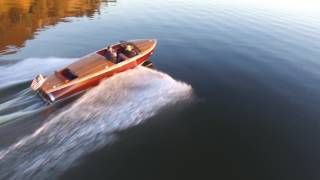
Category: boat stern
[39,85]
[37,82]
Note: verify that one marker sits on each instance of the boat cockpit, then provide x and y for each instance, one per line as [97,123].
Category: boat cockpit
[121,52]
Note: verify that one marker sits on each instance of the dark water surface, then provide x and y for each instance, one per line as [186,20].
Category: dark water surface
[237,97]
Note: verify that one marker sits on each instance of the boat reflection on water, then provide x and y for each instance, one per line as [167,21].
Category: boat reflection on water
[21,20]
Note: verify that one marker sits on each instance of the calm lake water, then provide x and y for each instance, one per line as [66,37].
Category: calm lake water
[235,95]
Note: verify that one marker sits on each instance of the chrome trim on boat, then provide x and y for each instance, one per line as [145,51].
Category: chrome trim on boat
[51,97]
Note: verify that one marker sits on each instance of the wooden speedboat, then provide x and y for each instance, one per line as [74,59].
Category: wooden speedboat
[91,69]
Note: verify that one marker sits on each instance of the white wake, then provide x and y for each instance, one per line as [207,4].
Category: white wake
[119,102]
[28,68]
[21,101]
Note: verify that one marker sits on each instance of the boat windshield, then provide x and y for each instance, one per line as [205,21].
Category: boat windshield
[125,43]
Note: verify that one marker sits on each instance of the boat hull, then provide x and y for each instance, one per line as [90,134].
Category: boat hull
[69,89]
[73,89]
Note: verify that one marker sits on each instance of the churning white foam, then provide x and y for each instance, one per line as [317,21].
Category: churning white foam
[29,68]
[119,102]
[25,70]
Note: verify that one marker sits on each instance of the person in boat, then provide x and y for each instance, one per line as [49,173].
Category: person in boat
[111,54]
[129,51]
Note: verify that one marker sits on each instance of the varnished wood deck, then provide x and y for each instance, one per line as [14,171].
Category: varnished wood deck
[89,65]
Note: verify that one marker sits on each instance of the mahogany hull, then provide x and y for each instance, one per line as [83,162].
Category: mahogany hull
[90,80]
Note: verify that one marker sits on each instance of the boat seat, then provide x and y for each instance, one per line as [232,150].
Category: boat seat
[122,57]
